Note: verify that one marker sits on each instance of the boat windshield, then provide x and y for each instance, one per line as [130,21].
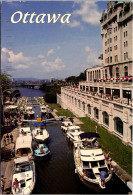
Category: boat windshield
[23,168]
[102,163]
[99,163]
[94,164]
[86,164]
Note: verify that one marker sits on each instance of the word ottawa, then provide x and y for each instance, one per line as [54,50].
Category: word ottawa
[41,18]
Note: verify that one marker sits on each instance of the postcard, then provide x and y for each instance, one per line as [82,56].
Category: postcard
[66,93]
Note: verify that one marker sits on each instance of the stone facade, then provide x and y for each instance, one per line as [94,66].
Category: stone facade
[106,95]
[114,116]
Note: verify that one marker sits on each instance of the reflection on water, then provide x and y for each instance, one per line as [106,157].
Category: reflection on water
[56,174]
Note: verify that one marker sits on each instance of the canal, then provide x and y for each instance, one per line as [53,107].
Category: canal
[56,174]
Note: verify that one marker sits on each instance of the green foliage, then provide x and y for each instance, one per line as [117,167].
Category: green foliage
[16,93]
[120,153]
[50,95]
[74,79]
[5,81]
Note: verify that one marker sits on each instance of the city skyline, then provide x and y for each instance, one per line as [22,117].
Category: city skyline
[51,50]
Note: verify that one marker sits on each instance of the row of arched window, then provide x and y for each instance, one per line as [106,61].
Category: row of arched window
[118,123]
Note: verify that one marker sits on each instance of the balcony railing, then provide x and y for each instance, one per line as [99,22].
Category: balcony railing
[105,97]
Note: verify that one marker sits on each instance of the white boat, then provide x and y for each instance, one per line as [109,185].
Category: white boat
[65,125]
[24,146]
[73,133]
[90,161]
[25,131]
[29,111]
[24,172]
[43,109]
[40,134]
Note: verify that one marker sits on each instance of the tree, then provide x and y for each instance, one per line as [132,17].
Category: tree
[74,79]
[5,81]
[16,93]
[50,95]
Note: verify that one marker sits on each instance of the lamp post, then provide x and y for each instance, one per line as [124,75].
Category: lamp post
[128,93]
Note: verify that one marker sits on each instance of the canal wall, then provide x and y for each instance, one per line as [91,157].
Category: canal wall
[123,175]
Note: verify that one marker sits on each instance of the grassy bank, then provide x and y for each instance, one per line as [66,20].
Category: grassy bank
[120,153]
[61,111]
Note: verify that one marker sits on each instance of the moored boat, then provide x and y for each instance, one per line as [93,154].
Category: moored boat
[41,151]
[40,134]
[65,125]
[24,172]
[43,109]
[90,161]
[29,111]
[73,133]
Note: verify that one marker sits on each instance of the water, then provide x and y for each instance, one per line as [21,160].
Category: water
[56,174]
[30,92]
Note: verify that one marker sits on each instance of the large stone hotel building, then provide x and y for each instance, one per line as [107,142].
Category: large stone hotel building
[106,95]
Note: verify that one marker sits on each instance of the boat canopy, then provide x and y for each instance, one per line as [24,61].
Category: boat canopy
[38,124]
[22,159]
[89,135]
[23,142]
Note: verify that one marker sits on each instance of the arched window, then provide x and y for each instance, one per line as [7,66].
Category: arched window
[72,100]
[75,102]
[118,125]
[96,113]
[106,118]
[83,106]
[126,71]
[89,109]
[79,104]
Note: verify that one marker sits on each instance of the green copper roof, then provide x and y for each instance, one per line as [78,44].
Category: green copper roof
[102,15]
[127,2]
[120,2]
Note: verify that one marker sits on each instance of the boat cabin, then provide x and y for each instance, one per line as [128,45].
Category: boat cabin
[24,146]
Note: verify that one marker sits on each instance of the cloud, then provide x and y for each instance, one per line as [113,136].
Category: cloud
[74,23]
[41,56]
[87,49]
[87,12]
[51,51]
[21,66]
[57,64]
[19,61]
[10,57]
[92,58]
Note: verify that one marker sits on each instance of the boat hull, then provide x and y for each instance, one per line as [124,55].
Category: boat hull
[41,141]
[41,157]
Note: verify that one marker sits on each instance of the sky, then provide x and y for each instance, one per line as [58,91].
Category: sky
[45,50]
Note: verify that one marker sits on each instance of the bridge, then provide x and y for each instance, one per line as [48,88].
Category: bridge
[32,86]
